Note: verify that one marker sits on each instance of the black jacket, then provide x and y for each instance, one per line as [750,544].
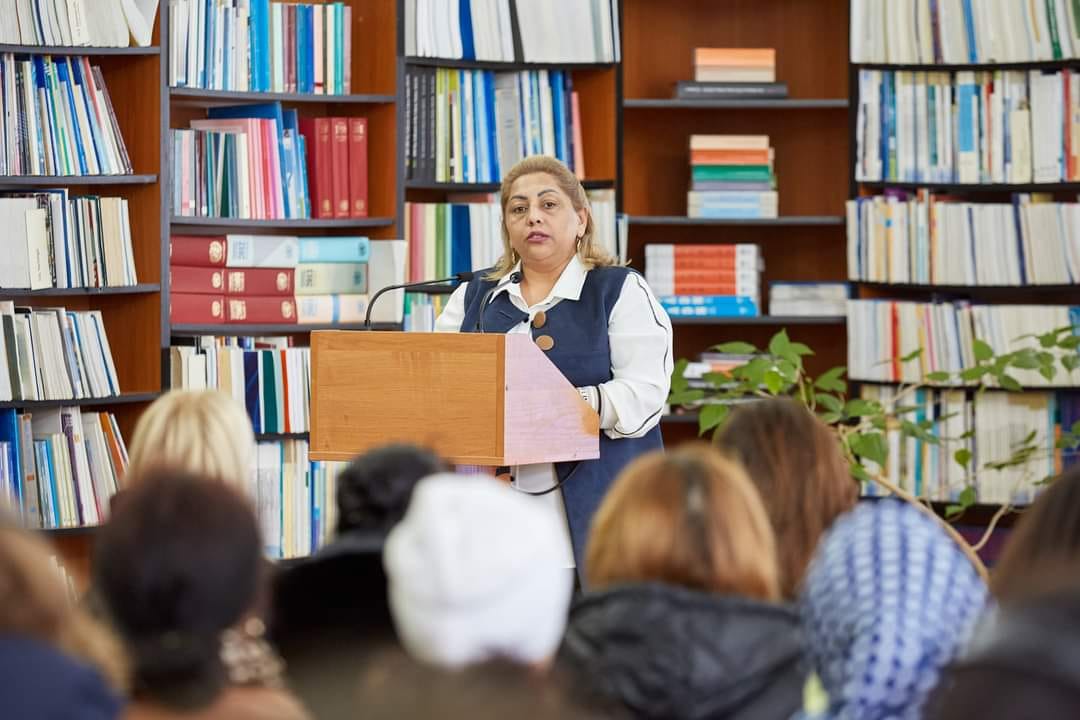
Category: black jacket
[673,653]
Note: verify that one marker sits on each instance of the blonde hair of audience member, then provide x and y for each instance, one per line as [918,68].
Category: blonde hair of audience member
[204,432]
[34,603]
[591,254]
[688,517]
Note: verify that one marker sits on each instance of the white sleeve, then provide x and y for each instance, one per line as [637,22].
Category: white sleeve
[639,332]
[450,318]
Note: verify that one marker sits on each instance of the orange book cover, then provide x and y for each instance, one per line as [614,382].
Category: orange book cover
[735,57]
[730,157]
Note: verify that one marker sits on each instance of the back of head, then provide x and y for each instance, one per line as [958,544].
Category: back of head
[374,489]
[177,565]
[889,599]
[795,461]
[687,517]
[205,432]
[1046,538]
[475,572]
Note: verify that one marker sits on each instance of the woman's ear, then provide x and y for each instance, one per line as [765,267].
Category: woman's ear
[583,218]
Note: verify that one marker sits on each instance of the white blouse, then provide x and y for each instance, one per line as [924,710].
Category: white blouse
[639,334]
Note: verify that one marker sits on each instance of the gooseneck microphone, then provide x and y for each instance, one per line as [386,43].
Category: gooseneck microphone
[459,277]
[512,279]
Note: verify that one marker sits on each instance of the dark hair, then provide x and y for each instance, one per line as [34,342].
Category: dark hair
[1046,538]
[373,491]
[178,563]
[796,464]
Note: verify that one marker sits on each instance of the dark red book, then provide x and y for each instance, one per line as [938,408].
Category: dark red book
[255,310]
[358,169]
[196,308]
[197,250]
[340,166]
[259,281]
[189,279]
[320,171]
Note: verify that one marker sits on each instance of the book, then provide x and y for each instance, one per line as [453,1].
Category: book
[693,90]
[258,310]
[196,308]
[330,278]
[197,250]
[358,167]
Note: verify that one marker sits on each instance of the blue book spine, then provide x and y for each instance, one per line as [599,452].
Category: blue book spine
[67,89]
[480,133]
[309,58]
[492,126]
[207,75]
[711,310]
[92,120]
[53,489]
[733,212]
[461,240]
[252,394]
[305,194]
[555,83]
[969,25]
[263,43]
[465,17]
[9,433]
[301,49]
[45,485]
[335,249]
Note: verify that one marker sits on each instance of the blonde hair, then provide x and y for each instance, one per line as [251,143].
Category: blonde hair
[203,432]
[688,517]
[590,253]
[35,603]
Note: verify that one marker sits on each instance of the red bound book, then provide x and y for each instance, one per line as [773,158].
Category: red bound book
[197,250]
[205,280]
[259,281]
[259,310]
[358,167]
[340,166]
[196,308]
[320,178]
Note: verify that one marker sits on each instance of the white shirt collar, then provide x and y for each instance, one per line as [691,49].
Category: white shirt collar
[567,287]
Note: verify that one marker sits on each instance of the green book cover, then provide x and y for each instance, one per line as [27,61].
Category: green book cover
[440,245]
[1055,38]
[339,48]
[270,423]
[733,173]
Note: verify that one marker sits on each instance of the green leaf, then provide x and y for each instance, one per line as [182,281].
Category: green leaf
[860,473]
[968,497]
[753,372]
[678,376]
[1070,362]
[830,380]
[1070,343]
[774,383]
[909,428]
[1048,372]
[829,402]
[686,397]
[857,407]
[966,435]
[974,373]
[780,345]
[983,351]
[1008,382]
[788,370]
[1025,359]
[1075,429]
[951,511]
[1027,438]
[938,376]
[712,416]
[1048,340]
[801,349]
[870,445]
[830,418]
[912,355]
[718,379]
[878,422]
[1067,442]
[736,348]
[962,457]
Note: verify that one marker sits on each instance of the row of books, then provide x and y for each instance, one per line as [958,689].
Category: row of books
[929,239]
[55,354]
[732,177]
[263,162]
[57,240]
[60,466]
[963,31]
[421,311]
[267,375]
[76,23]
[261,46]
[808,298]
[989,426]
[581,31]
[712,269]
[58,118]
[474,125]
[968,127]
[896,341]
[295,498]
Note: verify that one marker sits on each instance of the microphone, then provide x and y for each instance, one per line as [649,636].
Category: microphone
[458,277]
[512,279]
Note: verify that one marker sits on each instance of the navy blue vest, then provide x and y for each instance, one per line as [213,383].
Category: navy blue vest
[582,353]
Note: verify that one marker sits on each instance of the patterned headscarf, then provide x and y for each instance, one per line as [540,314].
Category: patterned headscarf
[889,599]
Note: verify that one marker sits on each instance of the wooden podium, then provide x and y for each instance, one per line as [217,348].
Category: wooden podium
[475,399]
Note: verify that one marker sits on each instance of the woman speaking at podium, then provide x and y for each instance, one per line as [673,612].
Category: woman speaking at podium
[598,322]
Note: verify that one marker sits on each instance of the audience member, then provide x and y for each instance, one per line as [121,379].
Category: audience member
[681,620]
[179,572]
[331,610]
[475,574]
[889,599]
[1046,540]
[55,661]
[794,459]
[206,432]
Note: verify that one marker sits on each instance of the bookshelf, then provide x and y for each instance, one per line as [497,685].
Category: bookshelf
[808,131]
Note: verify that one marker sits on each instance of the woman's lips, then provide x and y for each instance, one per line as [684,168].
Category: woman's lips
[537,237]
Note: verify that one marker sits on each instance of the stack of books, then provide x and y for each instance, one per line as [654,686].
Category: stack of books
[808,298]
[260,46]
[60,466]
[732,73]
[705,280]
[59,119]
[54,354]
[274,279]
[732,178]
[268,375]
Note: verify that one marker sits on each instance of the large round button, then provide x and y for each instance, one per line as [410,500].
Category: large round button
[545,342]
[539,319]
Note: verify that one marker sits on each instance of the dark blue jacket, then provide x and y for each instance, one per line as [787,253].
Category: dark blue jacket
[38,682]
[582,352]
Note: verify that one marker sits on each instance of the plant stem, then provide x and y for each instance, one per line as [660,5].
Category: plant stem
[1001,512]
